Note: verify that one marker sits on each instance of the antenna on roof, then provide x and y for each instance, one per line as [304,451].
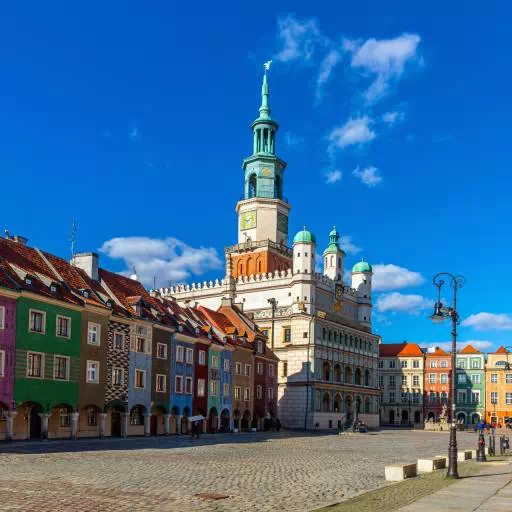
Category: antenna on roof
[74,229]
[134,275]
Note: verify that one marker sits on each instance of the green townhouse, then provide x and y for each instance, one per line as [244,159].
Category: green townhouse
[470,386]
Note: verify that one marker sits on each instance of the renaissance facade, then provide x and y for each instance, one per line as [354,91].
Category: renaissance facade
[318,325]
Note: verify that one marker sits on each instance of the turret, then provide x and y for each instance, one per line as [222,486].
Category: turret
[304,246]
[362,281]
[334,257]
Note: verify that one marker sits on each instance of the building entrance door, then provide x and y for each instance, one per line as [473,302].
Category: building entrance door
[115,427]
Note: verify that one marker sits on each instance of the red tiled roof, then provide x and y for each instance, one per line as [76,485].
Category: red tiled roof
[410,349]
[438,352]
[469,349]
[390,349]
[501,350]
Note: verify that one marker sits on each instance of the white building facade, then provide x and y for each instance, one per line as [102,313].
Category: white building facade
[318,326]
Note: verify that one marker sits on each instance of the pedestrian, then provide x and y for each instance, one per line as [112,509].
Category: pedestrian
[197,429]
[278,425]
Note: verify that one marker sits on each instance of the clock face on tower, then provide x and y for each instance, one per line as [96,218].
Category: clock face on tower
[248,220]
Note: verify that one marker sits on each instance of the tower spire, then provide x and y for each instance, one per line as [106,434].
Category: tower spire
[265,107]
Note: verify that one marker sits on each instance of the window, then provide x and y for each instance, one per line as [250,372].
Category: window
[117,376]
[405,396]
[287,334]
[494,378]
[63,327]
[35,365]
[392,364]
[404,380]
[265,332]
[270,393]
[140,345]
[213,387]
[475,363]
[136,417]
[381,363]
[2,363]
[247,371]
[118,341]
[259,368]
[403,364]
[161,383]
[92,417]
[215,361]
[508,398]
[285,369]
[93,334]
[432,397]
[415,364]
[260,346]
[65,420]
[238,392]
[416,397]
[508,378]
[247,394]
[179,354]
[475,397]
[270,370]
[444,364]
[226,365]
[93,372]
[494,397]
[433,364]
[444,378]
[140,379]
[202,357]
[178,384]
[188,385]
[259,392]
[61,368]
[444,397]
[381,381]
[226,389]
[200,387]
[415,380]
[161,351]
[37,321]
[392,397]
[461,364]
[461,378]
[238,368]
[2,317]
[475,378]
[189,355]
[392,382]
[432,378]
[461,397]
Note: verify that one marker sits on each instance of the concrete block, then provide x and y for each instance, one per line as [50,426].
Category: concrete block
[429,465]
[463,455]
[399,472]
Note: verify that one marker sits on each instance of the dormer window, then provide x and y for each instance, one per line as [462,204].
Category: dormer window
[180,328]
[210,336]
[28,279]
[109,304]
[54,287]
[85,293]
[197,330]
[260,346]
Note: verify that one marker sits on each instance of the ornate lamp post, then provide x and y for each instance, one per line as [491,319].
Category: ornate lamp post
[441,313]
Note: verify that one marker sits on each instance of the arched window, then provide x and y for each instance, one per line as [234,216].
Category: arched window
[324,333]
[337,373]
[330,335]
[337,403]
[348,375]
[326,403]
[367,405]
[252,186]
[332,261]
[358,377]
[326,371]
[240,269]
[367,377]
[277,187]
[259,266]
[339,262]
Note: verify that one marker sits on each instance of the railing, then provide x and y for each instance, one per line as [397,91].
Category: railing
[251,244]
[284,199]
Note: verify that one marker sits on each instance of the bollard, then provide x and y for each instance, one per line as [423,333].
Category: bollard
[480,454]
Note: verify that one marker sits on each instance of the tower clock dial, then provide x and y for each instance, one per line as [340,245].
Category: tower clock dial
[248,220]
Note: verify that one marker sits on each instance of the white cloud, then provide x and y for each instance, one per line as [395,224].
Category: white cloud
[333,176]
[390,118]
[354,131]
[489,321]
[326,67]
[384,59]
[393,277]
[168,259]
[370,176]
[397,302]
[347,245]
[292,139]
[298,38]
[482,345]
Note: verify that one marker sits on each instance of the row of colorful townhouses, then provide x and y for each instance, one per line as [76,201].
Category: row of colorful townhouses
[86,352]
[415,385]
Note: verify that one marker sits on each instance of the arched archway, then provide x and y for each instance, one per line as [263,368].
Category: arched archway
[348,375]
[236,419]
[461,417]
[114,409]
[417,417]
[224,420]
[213,417]
[475,418]
[337,373]
[348,408]
[391,417]
[158,420]
[184,420]
[326,402]
[337,403]
[88,421]
[367,405]
[367,380]
[246,419]
[326,371]
[405,417]
[59,422]
[252,187]
[431,416]
[357,377]
[137,415]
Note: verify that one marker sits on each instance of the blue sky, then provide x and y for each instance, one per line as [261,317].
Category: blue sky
[132,119]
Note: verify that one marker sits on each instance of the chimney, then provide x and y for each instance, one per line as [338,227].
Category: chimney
[16,238]
[226,301]
[88,262]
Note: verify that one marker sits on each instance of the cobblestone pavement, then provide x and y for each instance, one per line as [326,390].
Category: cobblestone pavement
[259,472]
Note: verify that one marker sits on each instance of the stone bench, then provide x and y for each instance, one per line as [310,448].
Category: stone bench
[463,455]
[429,465]
[398,472]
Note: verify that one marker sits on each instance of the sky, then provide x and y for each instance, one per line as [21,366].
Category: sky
[132,119]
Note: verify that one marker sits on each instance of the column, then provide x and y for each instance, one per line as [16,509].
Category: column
[255,142]
[103,418]
[178,424]
[10,424]
[125,416]
[269,148]
[147,424]
[167,424]
[44,425]
[74,424]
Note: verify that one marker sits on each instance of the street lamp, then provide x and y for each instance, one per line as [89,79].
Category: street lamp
[441,313]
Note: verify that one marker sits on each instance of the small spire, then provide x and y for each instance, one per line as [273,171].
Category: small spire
[265,108]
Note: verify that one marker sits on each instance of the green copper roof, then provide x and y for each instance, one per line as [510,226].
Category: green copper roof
[362,266]
[333,246]
[304,236]
[265,107]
